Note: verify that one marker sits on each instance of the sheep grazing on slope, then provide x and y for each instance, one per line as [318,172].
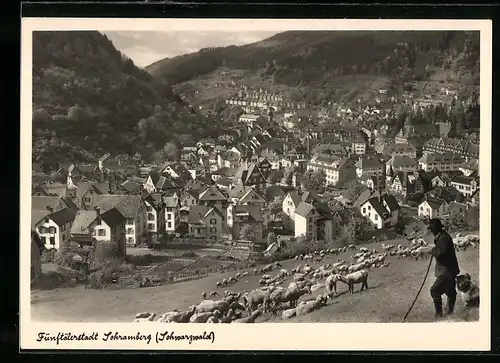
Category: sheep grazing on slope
[331,284]
[203,295]
[218,284]
[310,306]
[203,317]
[288,314]
[363,249]
[351,247]
[180,317]
[254,298]
[144,317]
[255,272]
[422,252]
[296,258]
[244,274]
[211,305]
[224,282]
[238,275]
[213,294]
[355,267]
[291,295]
[284,272]
[357,277]
[249,319]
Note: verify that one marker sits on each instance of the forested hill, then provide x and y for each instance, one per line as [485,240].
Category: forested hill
[87,95]
[310,57]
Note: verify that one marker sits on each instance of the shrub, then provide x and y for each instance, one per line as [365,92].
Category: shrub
[106,250]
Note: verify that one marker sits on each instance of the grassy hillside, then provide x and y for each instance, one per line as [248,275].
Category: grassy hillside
[298,58]
[391,292]
[86,94]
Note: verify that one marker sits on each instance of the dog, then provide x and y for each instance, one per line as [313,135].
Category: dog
[469,292]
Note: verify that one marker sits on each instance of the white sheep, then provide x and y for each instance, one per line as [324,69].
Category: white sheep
[288,314]
[357,277]
[310,306]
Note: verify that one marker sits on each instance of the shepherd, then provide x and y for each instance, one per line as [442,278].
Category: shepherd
[446,268]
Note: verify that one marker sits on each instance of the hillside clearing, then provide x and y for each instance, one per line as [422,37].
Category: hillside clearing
[391,292]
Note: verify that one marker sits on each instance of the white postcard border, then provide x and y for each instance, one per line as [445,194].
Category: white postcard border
[318,336]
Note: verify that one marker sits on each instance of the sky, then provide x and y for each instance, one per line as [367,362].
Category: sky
[146,47]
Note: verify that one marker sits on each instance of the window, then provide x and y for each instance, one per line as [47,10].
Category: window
[130,231]
[213,221]
[198,230]
[213,229]
[44,240]
[376,217]
[369,207]
[62,228]
[98,222]
[52,241]
[151,217]
[169,224]
[64,237]
[92,233]
[101,232]
[86,200]
[421,208]
[151,226]
[52,229]
[149,208]
[130,240]
[364,210]
[130,221]
[169,215]
[42,230]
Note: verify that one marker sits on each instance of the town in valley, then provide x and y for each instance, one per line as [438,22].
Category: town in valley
[188,193]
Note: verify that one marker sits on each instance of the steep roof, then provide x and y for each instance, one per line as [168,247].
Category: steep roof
[398,161]
[462,179]
[254,212]
[274,191]
[127,205]
[441,158]
[368,163]
[211,194]
[83,220]
[63,216]
[303,209]
[113,217]
[378,206]
[225,171]
[433,202]
[43,203]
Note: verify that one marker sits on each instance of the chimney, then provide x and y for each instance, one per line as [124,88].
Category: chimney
[98,211]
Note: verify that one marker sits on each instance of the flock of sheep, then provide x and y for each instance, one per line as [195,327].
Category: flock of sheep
[271,296]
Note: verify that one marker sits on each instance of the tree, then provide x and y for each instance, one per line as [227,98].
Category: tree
[171,151]
[271,238]
[329,198]
[288,176]
[355,227]
[276,206]
[247,233]
[353,190]
[314,180]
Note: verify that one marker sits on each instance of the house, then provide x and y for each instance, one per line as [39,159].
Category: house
[406,183]
[382,210]
[189,197]
[250,174]
[313,221]
[338,170]
[292,199]
[177,171]
[248,215]
[463,148]
[228,136]
[155,210]
[188,156]
[457,208]
[358,146]
[466,185]
[400,163]
[205,222]
[131,186]
[251,120]
[244,195]
[172,213]
[37,248]
[133,208]
[51,218]
[369,166]
[448,194]
[223,172]
[441,162]
[213,197]
[469,167]
[265,166]
[92,226]
[392,149]
[228,159]
[432,207]
[83,193]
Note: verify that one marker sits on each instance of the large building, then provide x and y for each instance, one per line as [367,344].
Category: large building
[338,170]
[462,148]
